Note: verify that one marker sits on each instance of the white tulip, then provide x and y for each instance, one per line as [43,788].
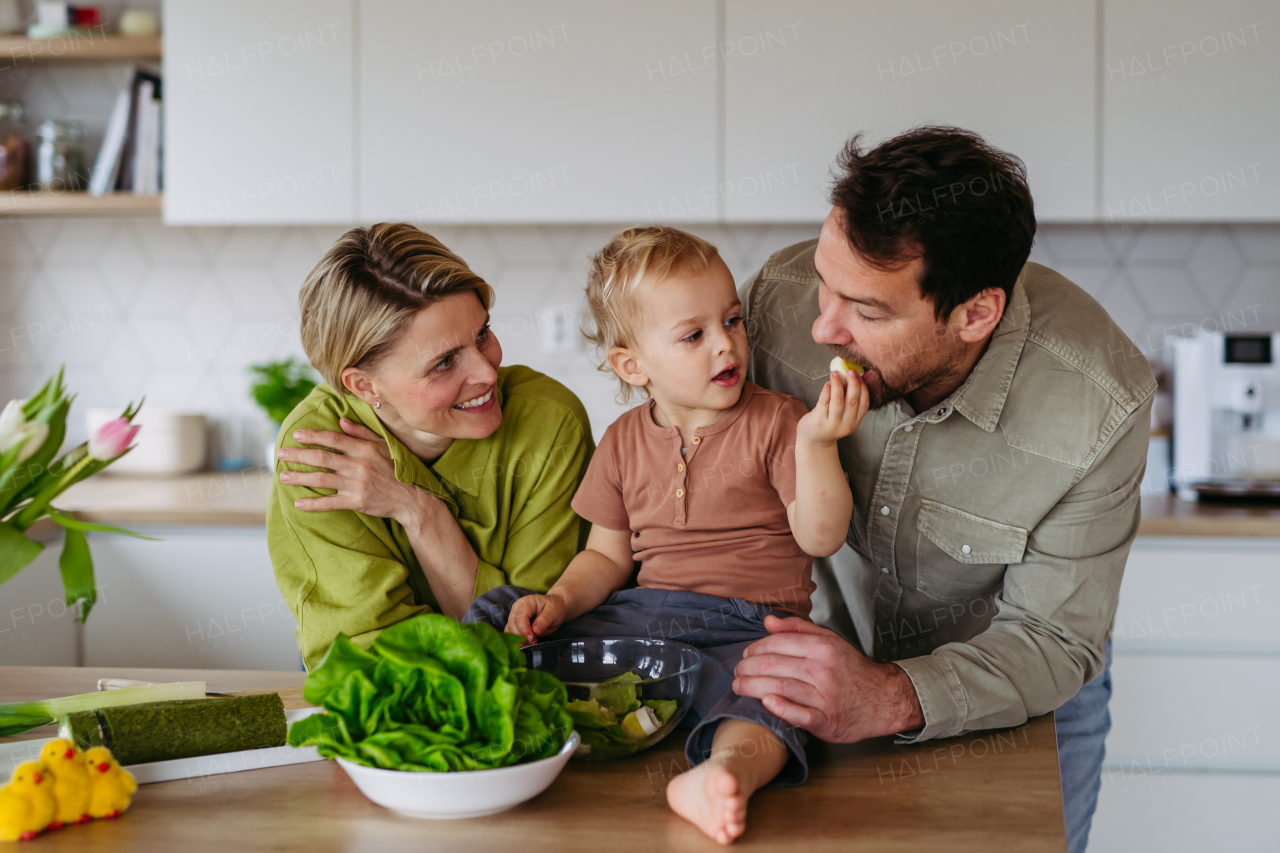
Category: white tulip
[15,430]
[11,423]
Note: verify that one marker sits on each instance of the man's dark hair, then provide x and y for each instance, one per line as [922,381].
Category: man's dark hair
[944,195]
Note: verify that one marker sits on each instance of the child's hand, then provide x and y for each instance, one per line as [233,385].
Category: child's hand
[534,616]
[841,407]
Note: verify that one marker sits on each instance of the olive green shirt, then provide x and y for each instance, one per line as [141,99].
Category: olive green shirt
[345,571]
[989,533]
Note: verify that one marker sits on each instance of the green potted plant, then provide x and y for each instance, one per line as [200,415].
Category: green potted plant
[278,388]
[32,475]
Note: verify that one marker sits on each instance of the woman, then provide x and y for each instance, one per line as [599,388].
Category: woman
[422,474]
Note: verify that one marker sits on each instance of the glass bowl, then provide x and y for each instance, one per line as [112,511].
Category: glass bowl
[621,718]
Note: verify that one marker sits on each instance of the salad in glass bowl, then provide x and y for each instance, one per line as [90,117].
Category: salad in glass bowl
[625,693]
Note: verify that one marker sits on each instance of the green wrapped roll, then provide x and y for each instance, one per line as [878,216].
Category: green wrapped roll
[158,731]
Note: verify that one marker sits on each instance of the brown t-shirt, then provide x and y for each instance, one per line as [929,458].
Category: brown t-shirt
[715,519]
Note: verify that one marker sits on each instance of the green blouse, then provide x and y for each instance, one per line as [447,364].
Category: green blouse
[345,571]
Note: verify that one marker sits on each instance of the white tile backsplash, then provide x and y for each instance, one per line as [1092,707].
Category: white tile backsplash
[177,314]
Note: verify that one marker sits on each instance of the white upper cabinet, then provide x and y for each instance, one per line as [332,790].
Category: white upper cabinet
[802,77]
[562,111]
[1191,125]
[258,111]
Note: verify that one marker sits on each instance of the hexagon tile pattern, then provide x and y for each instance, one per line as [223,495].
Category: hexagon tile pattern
[177,314]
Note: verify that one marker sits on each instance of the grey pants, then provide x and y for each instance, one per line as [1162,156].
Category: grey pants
[719,627]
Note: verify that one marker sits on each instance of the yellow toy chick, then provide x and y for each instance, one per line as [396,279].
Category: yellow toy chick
[26,803]
[111,787]
[66,765]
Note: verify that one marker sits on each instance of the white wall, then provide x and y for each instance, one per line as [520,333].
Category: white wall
[136,308]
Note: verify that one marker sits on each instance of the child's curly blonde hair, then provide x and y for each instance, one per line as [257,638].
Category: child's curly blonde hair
[641,255]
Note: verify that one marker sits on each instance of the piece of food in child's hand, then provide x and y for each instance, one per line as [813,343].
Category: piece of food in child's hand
[839,365]
[641,723]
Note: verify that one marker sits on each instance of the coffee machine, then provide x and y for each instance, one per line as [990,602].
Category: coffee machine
[1226,415]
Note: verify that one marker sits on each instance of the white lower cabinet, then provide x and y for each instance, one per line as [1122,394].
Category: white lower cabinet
[201,598]
[36,629]
[204,598]
[1193,759]
[1175,812]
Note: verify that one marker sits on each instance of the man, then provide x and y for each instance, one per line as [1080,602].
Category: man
[996,481]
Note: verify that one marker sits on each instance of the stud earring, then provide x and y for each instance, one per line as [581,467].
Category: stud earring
[377,404]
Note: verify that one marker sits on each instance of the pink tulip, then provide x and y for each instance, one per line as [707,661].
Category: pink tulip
[112,439]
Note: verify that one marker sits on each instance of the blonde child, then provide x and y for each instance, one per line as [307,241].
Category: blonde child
[723,492]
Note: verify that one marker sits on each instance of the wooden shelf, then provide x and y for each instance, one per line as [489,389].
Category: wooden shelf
[79,47]
[25,203]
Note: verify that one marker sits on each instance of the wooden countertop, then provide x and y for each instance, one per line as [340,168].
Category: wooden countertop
[1166,515]
[212,497]
[997,791]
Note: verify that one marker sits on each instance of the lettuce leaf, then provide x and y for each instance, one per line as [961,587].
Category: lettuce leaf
[433,695]
[599,719]
[618,694]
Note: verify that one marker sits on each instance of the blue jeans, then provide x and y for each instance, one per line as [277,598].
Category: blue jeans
[1083,723]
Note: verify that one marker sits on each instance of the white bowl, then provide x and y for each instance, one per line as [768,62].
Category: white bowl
[169,442]
[466,793]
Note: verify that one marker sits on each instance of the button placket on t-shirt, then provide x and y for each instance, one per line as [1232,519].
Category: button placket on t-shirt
[684,466]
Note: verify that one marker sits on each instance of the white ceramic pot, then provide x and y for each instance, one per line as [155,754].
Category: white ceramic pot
[169,442]
[470,793]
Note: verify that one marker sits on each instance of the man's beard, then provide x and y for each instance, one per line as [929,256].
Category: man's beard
[883,392]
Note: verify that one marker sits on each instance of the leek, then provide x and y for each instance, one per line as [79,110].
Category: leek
[18,717]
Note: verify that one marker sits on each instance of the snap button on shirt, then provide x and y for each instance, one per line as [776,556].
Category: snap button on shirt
[884,510]
[965,549]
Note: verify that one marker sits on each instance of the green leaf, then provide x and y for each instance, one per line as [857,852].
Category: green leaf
[618,694]
[16,551]
[588,713]
[28,515]
[72,523]
[343,658]
[664,708]
[76,565]
[281,386]
[432,695]
[26,479]
[49,392]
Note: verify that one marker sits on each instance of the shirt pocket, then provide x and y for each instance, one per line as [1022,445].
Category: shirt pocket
[962,556]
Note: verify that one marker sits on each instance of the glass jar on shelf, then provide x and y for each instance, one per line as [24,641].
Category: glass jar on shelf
[13,151]
[60,157]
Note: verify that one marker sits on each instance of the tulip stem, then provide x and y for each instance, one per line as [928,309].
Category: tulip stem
[30,513]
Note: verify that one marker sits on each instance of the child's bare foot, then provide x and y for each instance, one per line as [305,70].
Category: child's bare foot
[709,797]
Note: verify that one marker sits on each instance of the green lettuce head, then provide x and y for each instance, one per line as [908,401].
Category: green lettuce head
[431,694]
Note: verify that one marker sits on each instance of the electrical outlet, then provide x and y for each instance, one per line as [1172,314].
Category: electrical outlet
[560,328]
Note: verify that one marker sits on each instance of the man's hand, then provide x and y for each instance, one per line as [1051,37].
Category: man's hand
[814,680]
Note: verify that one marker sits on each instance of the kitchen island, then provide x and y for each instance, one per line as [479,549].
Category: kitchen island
[992,791]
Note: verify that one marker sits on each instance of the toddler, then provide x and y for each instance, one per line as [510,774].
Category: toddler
[723,492]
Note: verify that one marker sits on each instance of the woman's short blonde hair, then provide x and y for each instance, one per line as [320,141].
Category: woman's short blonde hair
[367,288]
[639,256]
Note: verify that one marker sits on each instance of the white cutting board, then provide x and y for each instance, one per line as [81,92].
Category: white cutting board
[13,754]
